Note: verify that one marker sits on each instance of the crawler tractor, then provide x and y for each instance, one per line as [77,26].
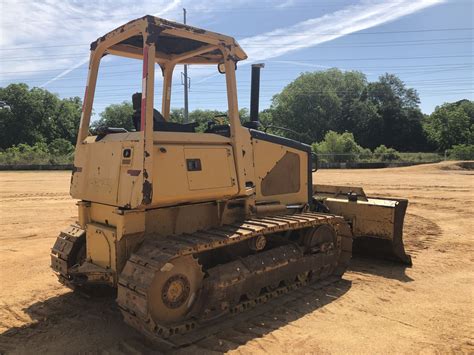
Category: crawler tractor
[192,226]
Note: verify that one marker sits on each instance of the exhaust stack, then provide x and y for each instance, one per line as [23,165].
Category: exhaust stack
[255,93]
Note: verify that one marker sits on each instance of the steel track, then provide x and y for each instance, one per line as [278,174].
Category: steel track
[154,253]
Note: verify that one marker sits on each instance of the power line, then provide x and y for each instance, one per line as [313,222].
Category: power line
[323,46]
[278,35]
[277,6]
[405,69]
[324,59]
[222,93]
[275,91]
[276,82]
[289,35]
[418,72]
[443,80]
[223,10]
[352,45]
[274,63]
[387,58]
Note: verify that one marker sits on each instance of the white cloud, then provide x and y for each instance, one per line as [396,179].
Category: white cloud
[37,24]
[285,4]
[311,32]
[171,6]
[302,64]
[322,29]
[41,24]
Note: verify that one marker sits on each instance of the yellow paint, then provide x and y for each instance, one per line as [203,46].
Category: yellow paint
[100,245]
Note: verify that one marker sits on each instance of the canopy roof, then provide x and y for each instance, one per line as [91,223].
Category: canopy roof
[181,44]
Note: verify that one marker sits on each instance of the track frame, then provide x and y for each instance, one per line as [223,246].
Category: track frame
[155,253]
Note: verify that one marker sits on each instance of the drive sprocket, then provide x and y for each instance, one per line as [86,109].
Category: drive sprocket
[173,290]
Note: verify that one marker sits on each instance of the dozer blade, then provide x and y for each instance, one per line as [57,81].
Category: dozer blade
[377,223]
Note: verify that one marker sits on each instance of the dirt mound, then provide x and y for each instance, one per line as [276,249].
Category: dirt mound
[460,165]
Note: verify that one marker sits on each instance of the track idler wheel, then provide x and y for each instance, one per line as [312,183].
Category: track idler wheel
[319,239]
[174,290]
[258,243]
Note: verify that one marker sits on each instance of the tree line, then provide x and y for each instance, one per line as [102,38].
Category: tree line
[381,113]
[384,112]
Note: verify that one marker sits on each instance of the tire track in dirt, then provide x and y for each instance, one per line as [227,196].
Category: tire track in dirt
[286,309]
[7,312]
[35,196]
[64,317]
[433,296]
[17,311]
[419,233]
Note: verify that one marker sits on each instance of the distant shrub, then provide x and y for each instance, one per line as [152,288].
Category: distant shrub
[339,147]
[60,151]
[386,154]
[420,157]
[462,152]
[60,146]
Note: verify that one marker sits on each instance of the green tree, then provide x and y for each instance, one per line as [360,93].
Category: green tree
[383,112]
[462,152]
[120,115]
[266,118]
[451,124]
[386,154]
[36,115]
[60,146]
[398,107]
[117,116]
[65,124]
[338,147]
[317,102]
[202,117]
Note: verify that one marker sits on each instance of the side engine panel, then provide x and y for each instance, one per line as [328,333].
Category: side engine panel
[109,170]
[184,173]
[282,169]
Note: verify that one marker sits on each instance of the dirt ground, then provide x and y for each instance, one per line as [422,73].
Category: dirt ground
[378,307]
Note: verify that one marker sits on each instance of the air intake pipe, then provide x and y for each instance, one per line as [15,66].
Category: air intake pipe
[255,94]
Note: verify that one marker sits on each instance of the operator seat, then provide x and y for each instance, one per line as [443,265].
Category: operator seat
[159,122]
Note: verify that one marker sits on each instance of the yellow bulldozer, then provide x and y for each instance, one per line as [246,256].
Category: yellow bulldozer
[192,226]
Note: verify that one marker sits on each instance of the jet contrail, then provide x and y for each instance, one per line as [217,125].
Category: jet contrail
[67,71]
[168,8]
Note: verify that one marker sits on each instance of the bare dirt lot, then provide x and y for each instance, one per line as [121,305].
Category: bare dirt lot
[378,307]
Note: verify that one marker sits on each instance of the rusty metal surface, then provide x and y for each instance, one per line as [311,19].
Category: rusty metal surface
[376,222]
[391,249]
[264,275]
[67,261]
[284,177]
[66,249]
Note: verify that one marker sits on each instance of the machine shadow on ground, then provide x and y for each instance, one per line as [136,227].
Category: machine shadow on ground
[68,318]
[72,321]
[382,268]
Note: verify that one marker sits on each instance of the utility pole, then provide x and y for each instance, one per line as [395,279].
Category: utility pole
[186,110]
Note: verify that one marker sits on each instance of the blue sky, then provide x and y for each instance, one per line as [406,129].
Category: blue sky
[427,43]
